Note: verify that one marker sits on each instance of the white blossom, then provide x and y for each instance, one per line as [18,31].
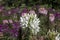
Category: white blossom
[57,37]
[31,21]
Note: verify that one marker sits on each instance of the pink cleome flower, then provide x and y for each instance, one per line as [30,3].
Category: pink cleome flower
[43,11]
[51,17]
[5,21]
[32,11]
[1,8]
[10,21]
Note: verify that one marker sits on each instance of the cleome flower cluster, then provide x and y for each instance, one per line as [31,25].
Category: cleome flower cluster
[31,21]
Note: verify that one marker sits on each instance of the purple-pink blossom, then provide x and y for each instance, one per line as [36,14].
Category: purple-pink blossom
[57,15]
[42,10]
[5,21]
[1,8]
[24,11]
[1,27]
[51,17]
[32,11]
[10,21]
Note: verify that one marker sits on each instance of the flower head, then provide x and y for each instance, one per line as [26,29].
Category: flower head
[24,11]
[57,15]
[43,11]
[1,8]
[31,21]
[57,37]
[10,21]
[5,21]
[32,11]
[1,27]
[51,17]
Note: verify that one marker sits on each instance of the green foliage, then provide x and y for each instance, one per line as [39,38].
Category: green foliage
[16,3]
[44,24]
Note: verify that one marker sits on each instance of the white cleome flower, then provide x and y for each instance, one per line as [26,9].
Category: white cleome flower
[31,21]
[57,37]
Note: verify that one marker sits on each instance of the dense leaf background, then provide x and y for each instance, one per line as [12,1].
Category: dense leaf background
[34,4]
[16,3]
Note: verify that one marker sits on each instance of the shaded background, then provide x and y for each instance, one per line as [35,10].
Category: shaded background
[16,3]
